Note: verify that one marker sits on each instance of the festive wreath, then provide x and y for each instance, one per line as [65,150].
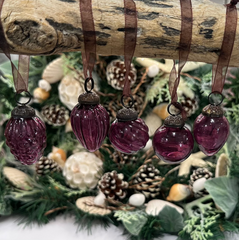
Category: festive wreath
[197,199]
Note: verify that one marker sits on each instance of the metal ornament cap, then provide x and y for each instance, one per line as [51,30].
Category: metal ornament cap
[23,112]
[213,111]
[127,114]
[174,121]
[89,98]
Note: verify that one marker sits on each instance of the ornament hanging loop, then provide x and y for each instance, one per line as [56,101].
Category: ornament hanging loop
[17,94]
[213,100]
[91,80]
[130,103]
[178,106]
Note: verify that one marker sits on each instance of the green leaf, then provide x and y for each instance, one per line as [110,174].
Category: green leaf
[132,221]
[5,207]
[224,191]
[172,220]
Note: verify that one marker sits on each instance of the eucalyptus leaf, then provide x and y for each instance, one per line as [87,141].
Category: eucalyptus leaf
[172,220]
[224,191]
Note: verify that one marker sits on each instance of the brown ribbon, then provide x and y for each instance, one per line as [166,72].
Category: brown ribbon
[129,40]
[88,29]
[220,69]
[184,48]
[20,75]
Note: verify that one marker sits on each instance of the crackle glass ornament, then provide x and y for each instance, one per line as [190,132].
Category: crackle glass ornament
[173,142]
[211,129]
[90,121]
[128,133]
[25,135]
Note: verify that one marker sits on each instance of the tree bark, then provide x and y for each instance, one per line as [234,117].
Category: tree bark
[43,27]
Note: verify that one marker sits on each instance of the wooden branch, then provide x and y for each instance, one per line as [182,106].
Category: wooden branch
[43,27]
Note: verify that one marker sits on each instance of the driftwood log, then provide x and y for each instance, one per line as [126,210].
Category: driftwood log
[43,27]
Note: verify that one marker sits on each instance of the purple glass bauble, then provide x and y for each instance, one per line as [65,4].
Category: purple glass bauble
[173,143]
[25,135]
[211,131]
[128,136]
[90,122]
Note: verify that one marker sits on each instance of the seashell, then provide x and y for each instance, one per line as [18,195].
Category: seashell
[154,207]
[153,71]
[69,90]
[58,155]
[137,199]
[43,84]
[161,110]
[178,192]
[40,94]
[222,165]
[100,199]
[149,144]
[198,185]
[153,122]
[86,204]
[54,71]
[68,127]
[18,178]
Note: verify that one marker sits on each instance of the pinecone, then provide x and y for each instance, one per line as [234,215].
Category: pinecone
[144,179]
[190,105]
[197,174]
[122,158]
[113,186]
[112,108]
[55,115]
[45,166]
[115,73]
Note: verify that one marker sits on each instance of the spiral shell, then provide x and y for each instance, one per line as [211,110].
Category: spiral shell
[178,192]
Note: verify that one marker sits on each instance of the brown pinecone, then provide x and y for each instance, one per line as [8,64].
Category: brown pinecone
[112,108]
[144,179]
[190,105]
[55,115]
[115,74]
[45,166]
[197,174]
[122,158]
[113,186]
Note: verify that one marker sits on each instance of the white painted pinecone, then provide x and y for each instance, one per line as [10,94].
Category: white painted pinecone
[82,170]
[69,90]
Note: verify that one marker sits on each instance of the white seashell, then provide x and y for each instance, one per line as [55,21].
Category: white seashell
[43,84]
[153,122]
[199,184]
[149,144]
[86,204]
[137,199]
[154,207]
[222,165]
[100,199]
[153,71]
[18,178]
[54,71]
[69,90]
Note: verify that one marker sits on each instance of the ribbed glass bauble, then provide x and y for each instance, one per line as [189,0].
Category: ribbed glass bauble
[25,135]
[90,121]
[211,130]
[173,142]
[128,133]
